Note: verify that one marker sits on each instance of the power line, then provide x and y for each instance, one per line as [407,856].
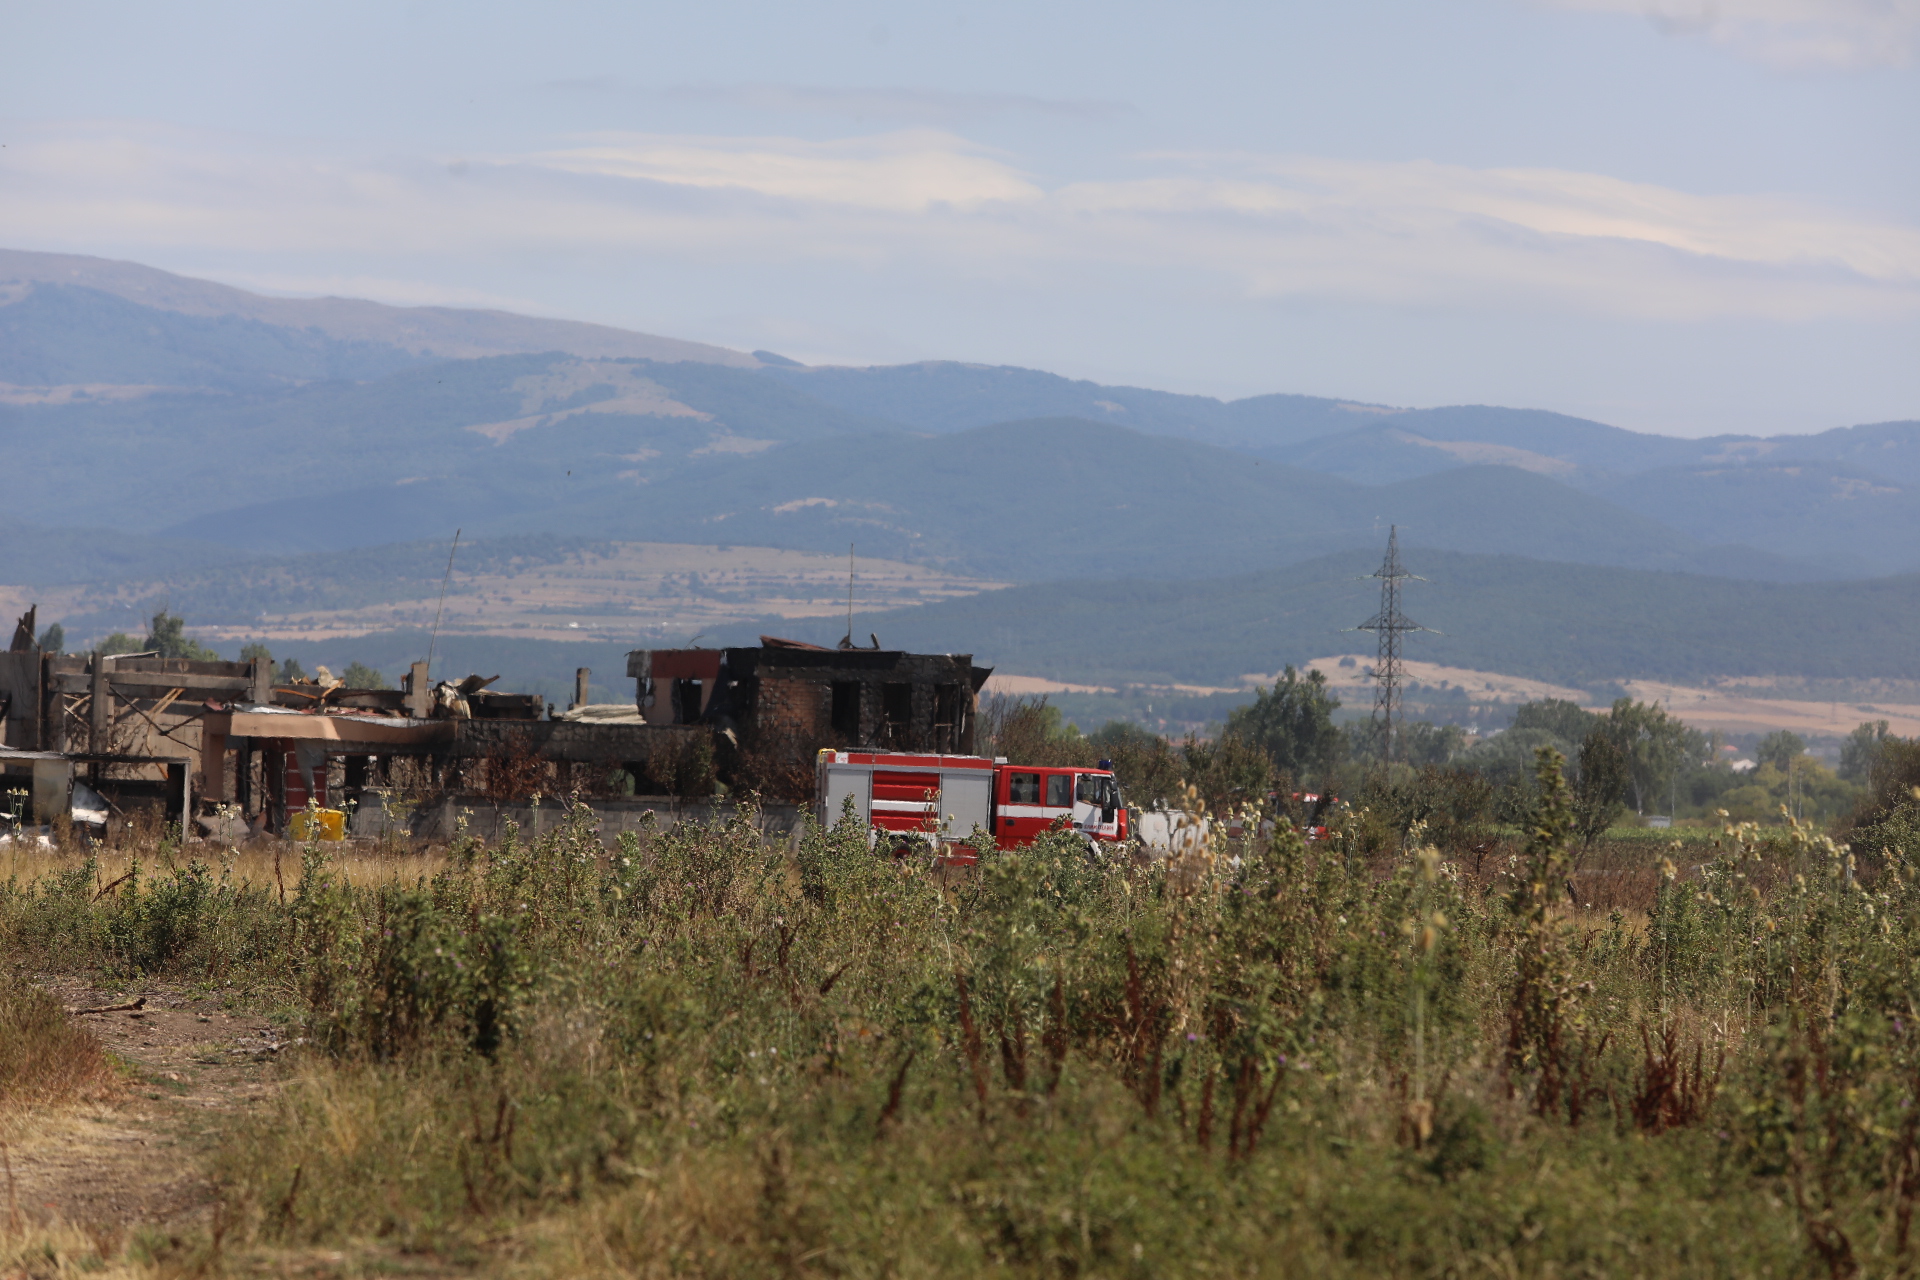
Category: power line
[1389,624]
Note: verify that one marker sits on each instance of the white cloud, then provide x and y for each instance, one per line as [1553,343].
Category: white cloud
[1788,33]
[934,106]
[1423,232]
[901,172]
[1418,234]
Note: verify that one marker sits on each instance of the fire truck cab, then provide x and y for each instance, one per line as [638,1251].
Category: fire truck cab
[944,798]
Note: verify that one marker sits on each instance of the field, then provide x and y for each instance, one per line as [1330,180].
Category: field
[1817,710]
[707,1053]
[585,592]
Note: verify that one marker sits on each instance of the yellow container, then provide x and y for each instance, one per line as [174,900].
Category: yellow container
[319,824]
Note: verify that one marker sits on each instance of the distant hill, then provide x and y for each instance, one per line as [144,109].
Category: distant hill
[162,406]
[941,395]
[1886,451]
[1843,516]
[1581,626]
[90,555]
[1343,437]
[1427,442]
[1584,626]
[439,332]
[1063,496]
[63,335]
[332,464]
[1844,500]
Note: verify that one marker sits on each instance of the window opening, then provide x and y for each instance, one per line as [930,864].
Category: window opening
[896,705]
[946,717]
[846,710]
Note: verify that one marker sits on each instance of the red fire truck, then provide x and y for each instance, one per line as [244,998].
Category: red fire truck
[944,798]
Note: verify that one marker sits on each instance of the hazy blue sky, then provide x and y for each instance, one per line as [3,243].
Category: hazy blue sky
[1677,215]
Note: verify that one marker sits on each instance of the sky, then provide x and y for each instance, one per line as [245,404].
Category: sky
[1684,216]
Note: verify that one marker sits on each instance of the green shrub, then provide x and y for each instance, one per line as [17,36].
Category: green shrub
[706,1052]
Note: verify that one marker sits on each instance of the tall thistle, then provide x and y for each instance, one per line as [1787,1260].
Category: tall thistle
[1543,993]
[1423,929]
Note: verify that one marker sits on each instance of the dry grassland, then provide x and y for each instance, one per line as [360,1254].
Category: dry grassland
[638,585]
[262,863]
[1736,710]
[671,587]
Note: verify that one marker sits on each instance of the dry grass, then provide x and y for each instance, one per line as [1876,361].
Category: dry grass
[46,1058]
[58,1250]
[261,863]
[47,1061]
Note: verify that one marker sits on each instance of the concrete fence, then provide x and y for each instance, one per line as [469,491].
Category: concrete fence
[439,819]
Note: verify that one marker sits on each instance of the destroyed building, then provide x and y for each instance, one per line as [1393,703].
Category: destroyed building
[789,692]
[99,738]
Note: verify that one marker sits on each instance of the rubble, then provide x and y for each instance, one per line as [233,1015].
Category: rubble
[220,748]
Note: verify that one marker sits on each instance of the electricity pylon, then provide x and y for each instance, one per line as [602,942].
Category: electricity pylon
[1389,624]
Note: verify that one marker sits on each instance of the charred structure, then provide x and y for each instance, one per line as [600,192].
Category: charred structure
[783,689]
[99,738]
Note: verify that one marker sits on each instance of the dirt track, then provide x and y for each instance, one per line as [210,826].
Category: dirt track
[135,1162]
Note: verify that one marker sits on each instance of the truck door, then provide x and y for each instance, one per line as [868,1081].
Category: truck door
[841,782]
[966,797]
[1059,799]
[1096,806]
[1021,815]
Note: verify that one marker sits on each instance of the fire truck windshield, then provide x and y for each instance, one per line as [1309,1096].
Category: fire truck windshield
[1097,790]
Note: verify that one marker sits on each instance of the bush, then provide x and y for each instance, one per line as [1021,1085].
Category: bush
[706,1052]
[45,1056]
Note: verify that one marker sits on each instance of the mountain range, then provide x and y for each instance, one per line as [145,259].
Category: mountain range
[159,428]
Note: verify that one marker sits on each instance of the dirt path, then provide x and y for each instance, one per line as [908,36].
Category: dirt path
[137,1162]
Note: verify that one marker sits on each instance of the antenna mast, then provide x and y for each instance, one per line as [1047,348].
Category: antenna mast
[1389,624]
[435,639]
[847,643]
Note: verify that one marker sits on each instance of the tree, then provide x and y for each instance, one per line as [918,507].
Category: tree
[1424,745]
[1416,743]
[1859,753]
[255,649]
[1567,721]
[1144,763]
[1510,757]
[1293,723]
[1780,749]
[1889,818]
[1228,772]
[1655,746]
[1601,784]
[360,676]
[290,672]
[54,640]
[167,637]
[1030,730]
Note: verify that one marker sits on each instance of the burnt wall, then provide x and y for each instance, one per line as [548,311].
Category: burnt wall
[846,698]
[580,742]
